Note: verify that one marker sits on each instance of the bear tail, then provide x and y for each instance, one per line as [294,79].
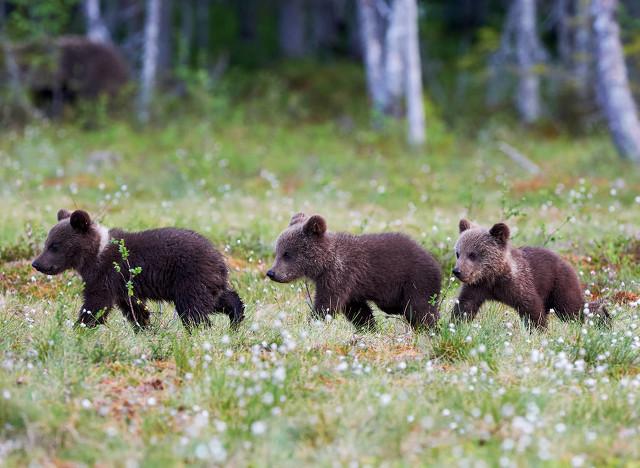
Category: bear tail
[229,303]
[598,312]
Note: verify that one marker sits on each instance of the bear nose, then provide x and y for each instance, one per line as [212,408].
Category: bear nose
[456,272]
[271,274]
[36,265]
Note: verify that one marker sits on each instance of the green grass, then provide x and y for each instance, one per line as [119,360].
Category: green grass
[282,390]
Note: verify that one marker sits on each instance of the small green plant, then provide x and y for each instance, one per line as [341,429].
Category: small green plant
[132,272]
[512,208]
[553,235]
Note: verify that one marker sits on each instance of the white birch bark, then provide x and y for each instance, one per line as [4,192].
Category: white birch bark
[413,70]
[373,53]
[582,45]
[394,58]
[613,91]
[150,57]
[528,88]
[96,28]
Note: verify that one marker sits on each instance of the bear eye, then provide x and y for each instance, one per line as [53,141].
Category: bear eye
[286,255]
[472,256]
[53,248]
[457,254]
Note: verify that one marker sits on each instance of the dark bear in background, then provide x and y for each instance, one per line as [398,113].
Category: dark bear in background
[177,265]
[390,270]
[68,69]
[532,280]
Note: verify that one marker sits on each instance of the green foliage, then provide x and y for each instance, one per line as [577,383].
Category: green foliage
[30,19]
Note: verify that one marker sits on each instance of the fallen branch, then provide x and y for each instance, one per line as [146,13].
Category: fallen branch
[519,158]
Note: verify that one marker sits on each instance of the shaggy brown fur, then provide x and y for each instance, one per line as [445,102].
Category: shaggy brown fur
[177,265]
[391,270]
[532,280]
[70,68]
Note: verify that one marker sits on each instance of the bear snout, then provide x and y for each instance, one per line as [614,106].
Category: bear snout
[273,276]
[456,272]
[40,267]
[47,270]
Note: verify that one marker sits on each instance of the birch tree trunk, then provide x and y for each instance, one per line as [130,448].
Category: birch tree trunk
[413,70]
[613,90]
[96,28]
[373,53]
[149,58]
[395,61]
[392,61]
[528,91]
[582,44]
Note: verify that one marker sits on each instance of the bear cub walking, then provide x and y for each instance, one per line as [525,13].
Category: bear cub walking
[532,280]
[390,270]
[177,265]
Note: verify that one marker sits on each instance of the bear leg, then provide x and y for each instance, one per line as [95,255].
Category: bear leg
[468,303]
[534,316]
[193,308]
[419,312]
[567,303]
[360,315]
[229,303]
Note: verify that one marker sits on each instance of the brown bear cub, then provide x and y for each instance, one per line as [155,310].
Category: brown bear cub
[177,265]
[390,270]
[532,280]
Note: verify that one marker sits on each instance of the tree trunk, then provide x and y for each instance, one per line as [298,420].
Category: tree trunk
[413,70]
[528,91]
[373,53]
[96,28]
[395,62]
[564,21]
[149,58]
[392,65]
[613,91]
[292,28]
[582,45]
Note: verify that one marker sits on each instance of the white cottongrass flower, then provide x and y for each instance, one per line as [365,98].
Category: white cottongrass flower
[560,427]
[258,428]
[578,460]
[280,374]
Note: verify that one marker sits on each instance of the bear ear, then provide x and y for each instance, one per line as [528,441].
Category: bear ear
[315,226]
[63,214]
[500,232]
[464,224]
[296,218]
[80,221]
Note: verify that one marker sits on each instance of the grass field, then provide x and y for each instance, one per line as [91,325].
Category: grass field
[282,390]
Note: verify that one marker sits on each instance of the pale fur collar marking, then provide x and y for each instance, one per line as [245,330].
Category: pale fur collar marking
[103,232]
